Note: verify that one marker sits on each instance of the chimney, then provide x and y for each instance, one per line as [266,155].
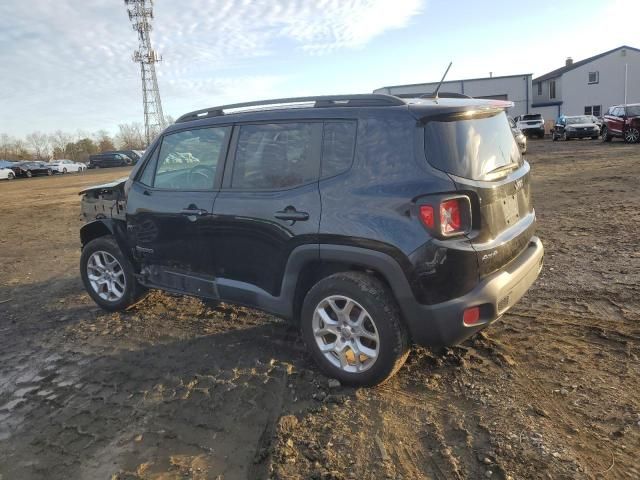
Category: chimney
[569,61]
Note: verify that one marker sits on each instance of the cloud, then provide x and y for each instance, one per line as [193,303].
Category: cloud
[67,64]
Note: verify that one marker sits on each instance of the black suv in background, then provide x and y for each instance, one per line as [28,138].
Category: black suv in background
[370,221]
[111,159]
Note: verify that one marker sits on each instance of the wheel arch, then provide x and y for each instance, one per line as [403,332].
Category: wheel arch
[107,226]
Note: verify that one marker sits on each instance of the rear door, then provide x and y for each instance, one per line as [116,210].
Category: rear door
[269,204]
[170,204]
[482,158]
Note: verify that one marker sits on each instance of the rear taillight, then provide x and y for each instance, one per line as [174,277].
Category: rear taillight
[450,217]
[447,217]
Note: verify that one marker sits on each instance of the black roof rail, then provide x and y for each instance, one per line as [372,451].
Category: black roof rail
[359,100]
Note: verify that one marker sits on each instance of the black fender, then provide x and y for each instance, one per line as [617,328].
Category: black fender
[108,226]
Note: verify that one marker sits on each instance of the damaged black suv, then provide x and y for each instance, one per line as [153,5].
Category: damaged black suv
[370,221]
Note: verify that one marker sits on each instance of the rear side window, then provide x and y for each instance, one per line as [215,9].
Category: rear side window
[338,143]
[275,156]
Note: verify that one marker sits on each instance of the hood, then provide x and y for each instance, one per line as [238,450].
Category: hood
[105,186]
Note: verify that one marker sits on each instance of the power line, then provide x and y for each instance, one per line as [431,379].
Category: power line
[140,14]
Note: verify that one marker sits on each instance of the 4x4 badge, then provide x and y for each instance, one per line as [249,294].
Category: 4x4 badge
[519,184]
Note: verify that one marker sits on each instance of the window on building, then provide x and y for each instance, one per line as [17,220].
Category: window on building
[594,77]
[552,89]
[539,88]
[594,110]
[275,156]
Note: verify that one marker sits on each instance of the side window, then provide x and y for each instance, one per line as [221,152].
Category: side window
[338,142]
[146,177]
[275,156]
[189,160]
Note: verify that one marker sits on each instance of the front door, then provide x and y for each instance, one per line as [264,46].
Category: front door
[269,204]
[170,204]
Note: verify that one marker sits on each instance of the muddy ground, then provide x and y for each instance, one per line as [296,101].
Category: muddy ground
[177,389]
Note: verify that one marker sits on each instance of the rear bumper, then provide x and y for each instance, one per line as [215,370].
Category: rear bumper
[442,324]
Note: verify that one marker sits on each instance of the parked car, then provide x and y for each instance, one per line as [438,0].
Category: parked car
[531,124]
[134,155]
[67,166]
[580,126]
[426,234]
[6,174]
[30,169]
[6,164]
[112,159]
[518,136]
[622,121]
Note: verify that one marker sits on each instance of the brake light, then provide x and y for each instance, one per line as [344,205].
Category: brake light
[426,215]
[450,218]
[471,316]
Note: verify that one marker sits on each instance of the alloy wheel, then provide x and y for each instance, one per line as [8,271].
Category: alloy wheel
[632,135]
[106,276]
[346,334]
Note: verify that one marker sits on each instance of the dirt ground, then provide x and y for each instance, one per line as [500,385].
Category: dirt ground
[176,389]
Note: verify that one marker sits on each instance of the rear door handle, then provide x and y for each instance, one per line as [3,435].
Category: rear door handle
[290,213]
[194,211]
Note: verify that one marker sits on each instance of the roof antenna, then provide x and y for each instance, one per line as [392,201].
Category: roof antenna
[435,93]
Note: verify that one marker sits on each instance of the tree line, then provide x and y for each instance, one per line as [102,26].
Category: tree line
[77,147]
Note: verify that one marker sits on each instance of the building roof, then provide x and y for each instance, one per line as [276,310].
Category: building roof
[559,71]
[456,81]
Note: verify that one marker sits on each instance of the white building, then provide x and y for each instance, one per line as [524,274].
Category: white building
[515,88]
[589,86]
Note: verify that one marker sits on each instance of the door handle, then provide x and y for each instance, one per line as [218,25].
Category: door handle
[194,212]
[290,213]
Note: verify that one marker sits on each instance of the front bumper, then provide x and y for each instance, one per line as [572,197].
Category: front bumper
[582,133]
[441,324]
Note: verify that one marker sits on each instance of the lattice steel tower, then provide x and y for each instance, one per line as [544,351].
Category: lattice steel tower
[141,14]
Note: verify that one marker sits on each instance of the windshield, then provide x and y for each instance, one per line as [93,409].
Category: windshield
[471,148]
[633,111]
[574,120]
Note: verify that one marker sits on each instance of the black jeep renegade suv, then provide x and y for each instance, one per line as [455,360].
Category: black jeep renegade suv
[370,221]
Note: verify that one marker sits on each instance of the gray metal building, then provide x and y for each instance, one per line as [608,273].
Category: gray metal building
[515,88]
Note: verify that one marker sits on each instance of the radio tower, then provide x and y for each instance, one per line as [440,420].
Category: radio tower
[141,14]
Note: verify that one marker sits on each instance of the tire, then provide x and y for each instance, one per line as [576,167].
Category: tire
[565,137]
[10,176]
[554,138]
[29,174]
[49,172]
[372,302]
[126,291]
[64,170]
[632,135]
[604,134]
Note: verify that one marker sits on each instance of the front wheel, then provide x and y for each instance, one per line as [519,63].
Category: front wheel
[604,134]
[351,324]
[64,170]
[631,135]
[108,275]
[29,174]
[10,176]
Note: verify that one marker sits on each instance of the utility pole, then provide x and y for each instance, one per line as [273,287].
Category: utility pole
[141,13]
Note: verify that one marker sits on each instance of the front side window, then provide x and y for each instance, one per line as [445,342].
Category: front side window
[188,160]
[275,156]
[338,144]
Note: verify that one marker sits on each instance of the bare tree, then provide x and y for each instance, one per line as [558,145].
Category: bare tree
[59,141]
[39,143]
[131,136]
[103,141]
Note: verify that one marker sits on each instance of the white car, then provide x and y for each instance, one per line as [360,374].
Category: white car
[7,173]
[67,166]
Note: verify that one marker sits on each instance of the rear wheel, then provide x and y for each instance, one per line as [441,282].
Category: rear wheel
[351,324]
[64,170]
[108,275]
[604,134]
[11,176]
[49,172]
[631,135]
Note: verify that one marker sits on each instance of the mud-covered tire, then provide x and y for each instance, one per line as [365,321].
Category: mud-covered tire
[378,301]
[604,135]
[133,291]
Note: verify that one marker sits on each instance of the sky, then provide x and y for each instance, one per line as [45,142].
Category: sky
[66,64]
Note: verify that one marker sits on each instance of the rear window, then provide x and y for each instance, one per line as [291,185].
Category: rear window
[532,117]
[471,148]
